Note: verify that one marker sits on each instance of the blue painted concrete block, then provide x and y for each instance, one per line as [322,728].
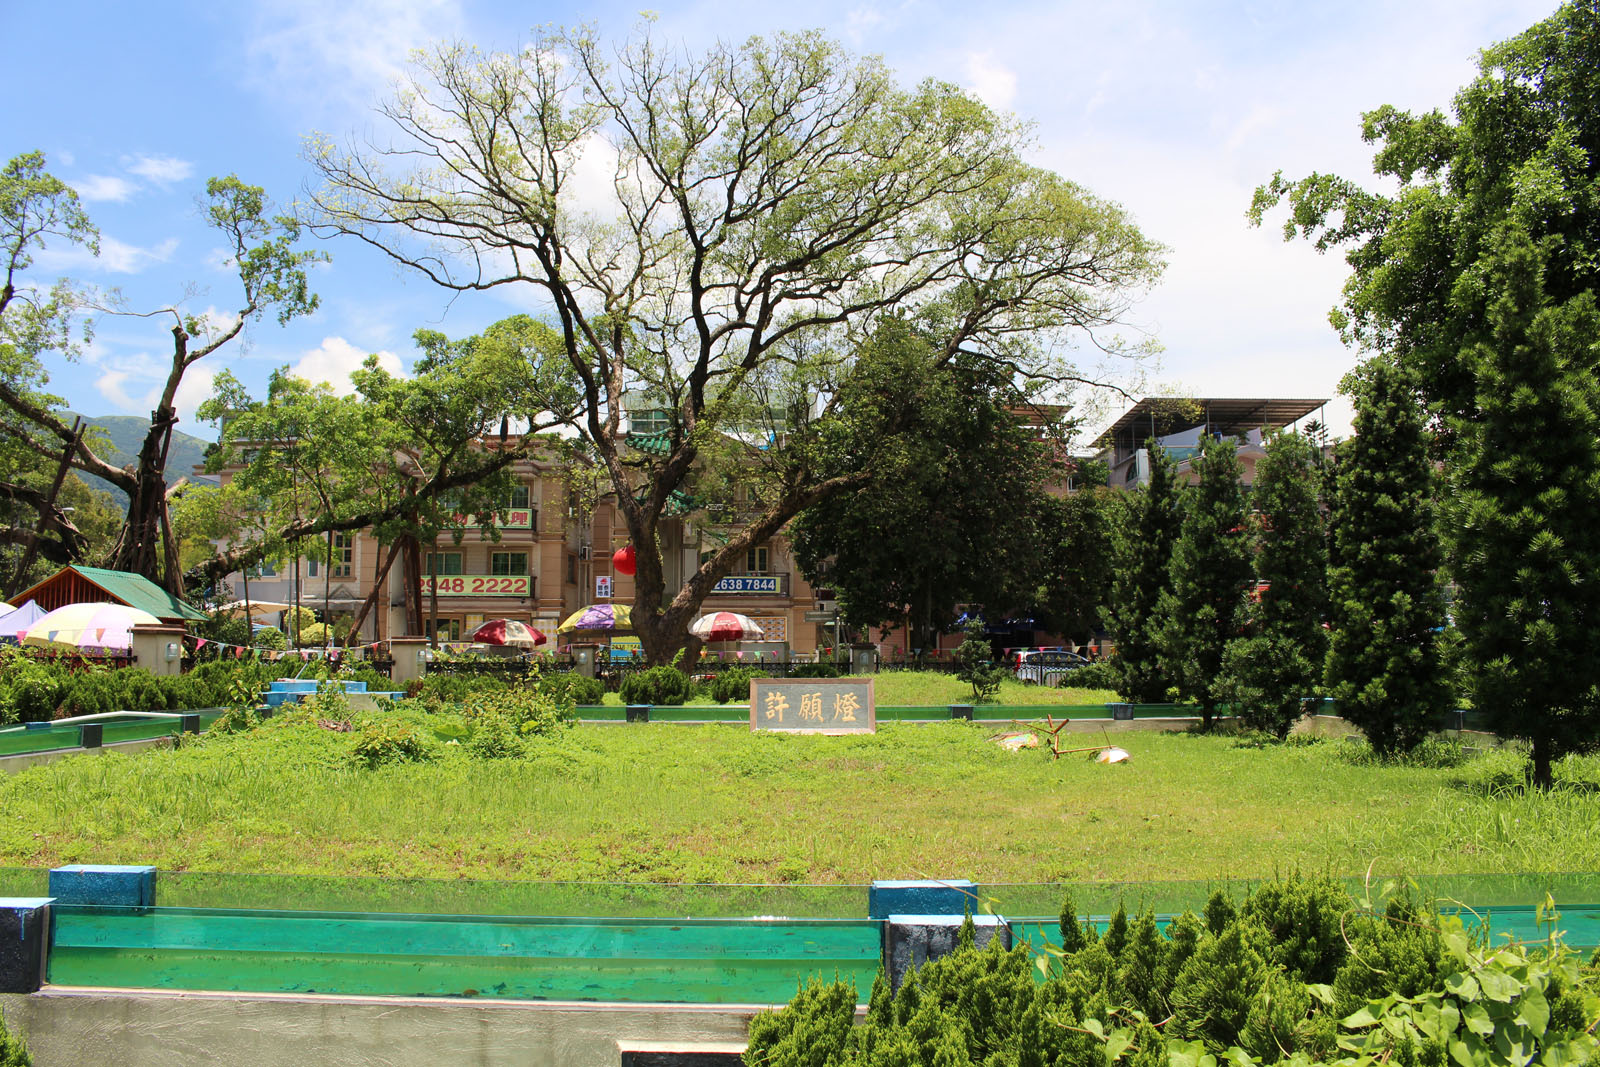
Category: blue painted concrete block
[24,941]
[909,941]
[948,896]
[105,885]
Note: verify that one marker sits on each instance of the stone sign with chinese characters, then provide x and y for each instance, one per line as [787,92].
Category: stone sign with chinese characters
[813,705]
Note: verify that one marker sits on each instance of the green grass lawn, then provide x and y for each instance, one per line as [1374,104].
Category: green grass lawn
[664,803]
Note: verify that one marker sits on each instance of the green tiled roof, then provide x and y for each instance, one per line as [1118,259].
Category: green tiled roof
[140,592]
[655,444]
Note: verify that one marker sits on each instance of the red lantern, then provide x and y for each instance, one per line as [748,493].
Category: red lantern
[624,561]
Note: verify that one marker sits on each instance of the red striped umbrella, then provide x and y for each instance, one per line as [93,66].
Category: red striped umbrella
[725,626]
[507,632]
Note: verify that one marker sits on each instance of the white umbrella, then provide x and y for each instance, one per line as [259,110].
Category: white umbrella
[725,626]
[257,607]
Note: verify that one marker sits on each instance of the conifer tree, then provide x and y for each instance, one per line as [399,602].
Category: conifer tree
[1268,674]
[1143,573]
[1384,667]
[1526,511]
[1204,610]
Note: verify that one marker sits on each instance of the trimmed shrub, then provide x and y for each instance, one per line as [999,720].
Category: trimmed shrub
[820,669]
[660,686]
[1102,674]
[733,687]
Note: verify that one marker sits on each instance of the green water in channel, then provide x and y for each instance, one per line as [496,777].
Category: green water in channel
[728,961]
[745,961]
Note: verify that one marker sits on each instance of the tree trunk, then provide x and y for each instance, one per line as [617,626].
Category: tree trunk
[377,583]
[327,597]
[1542,778]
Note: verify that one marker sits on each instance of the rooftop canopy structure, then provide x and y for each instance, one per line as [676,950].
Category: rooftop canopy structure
[1179,422]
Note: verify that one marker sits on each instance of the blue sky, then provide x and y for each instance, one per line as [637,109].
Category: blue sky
[1177,110]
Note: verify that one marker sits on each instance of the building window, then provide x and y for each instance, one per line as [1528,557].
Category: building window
[446,562]
[508,563]
[344,554]
[755,560]
[519,497]
[448,629]
[572,568]
[773,627]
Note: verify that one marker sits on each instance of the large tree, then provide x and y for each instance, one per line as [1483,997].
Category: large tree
[36,326]
[1204,610]
[409,459]
[1386,612]
[1525,503]
[770,203]
[951,517]
[1073,590]
[1503,185]
[1143,579]
[1270,671]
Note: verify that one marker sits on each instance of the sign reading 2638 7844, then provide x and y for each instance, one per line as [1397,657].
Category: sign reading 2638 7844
[813,705]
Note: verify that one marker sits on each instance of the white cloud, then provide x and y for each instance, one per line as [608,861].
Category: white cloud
[194,390]
[334,59]
[990,81]
[111,384]
[334,360]
[163,170]
[94,187]
[116,257]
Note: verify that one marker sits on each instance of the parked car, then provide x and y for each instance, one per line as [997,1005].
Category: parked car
[1040,667]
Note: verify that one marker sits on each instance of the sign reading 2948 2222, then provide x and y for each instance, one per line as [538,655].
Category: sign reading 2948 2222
[813,705]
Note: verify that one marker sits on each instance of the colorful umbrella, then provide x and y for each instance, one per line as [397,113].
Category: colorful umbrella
[507,632]
[605,618]
[88,628]
[14,623]
[725,626]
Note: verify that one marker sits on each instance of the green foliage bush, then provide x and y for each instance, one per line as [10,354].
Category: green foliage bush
[1102,674]
[572,688]
[733,687]
[495,736]
[30,689]
[658,686]
[1436,752]
[819,669]
[529,712]
[270,638]
[384,743]
[13,1052]
[1296,973]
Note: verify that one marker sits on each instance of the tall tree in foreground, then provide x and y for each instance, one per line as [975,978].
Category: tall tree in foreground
[1204,610]
[1143,576]
[1526,514]
[1502,186]
[1271,671]
[771,203]
[1385,607]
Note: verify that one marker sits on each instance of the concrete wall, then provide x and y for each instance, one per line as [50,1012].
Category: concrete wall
[70,1027]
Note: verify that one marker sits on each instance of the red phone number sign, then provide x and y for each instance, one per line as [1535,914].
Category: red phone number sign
[478,585]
